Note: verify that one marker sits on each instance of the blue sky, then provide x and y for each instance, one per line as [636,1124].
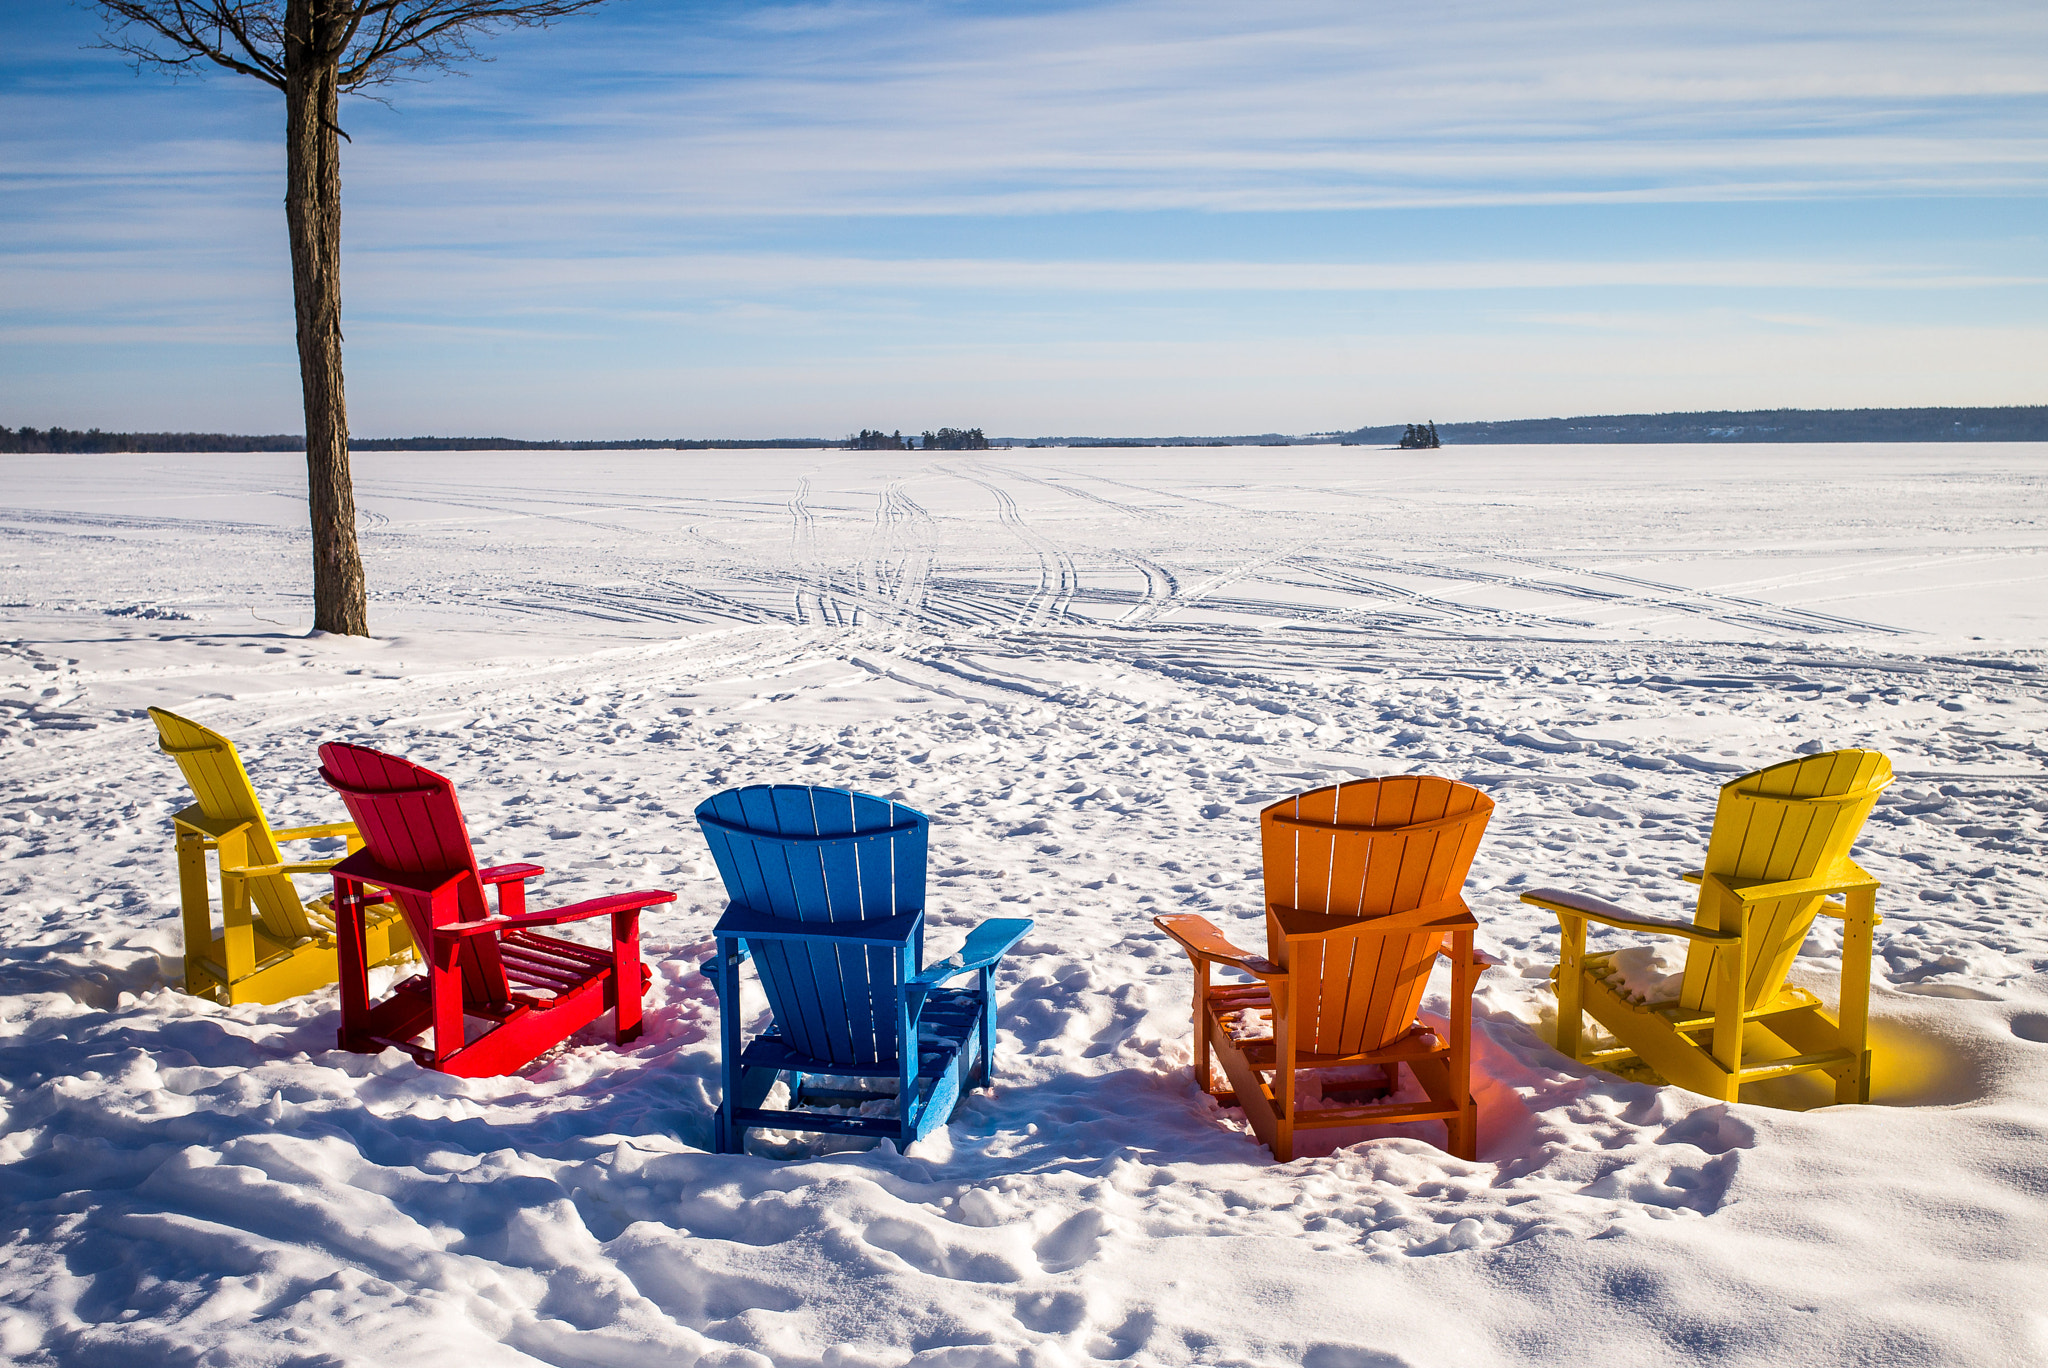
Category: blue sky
[687,219]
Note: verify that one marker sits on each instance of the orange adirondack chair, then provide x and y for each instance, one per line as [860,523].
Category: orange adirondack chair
[1362,889]
[533,990]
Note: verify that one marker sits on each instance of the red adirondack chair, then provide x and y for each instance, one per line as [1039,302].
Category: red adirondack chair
[533,990]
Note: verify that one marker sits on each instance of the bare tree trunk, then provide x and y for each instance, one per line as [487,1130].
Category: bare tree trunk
[312,207]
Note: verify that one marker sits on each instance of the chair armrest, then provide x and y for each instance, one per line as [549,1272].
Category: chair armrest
[506,873]
[986,945]
[307,833]
[1756,890]
[1205,944]
[290,867]
[593,907]
[1608,914]
[197,819]
[709,968]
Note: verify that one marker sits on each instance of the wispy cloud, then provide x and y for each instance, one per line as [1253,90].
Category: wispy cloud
[785,272]
[1194,104]
[1311,105]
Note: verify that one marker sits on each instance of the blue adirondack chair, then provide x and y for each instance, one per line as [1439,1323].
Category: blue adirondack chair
[827,890]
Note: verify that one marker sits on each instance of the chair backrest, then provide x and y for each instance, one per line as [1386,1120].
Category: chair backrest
[411,823]
[807,854]
[225,796]
[1795,820]
[1340,856]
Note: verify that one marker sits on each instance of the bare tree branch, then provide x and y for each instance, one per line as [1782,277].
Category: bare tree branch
[175,33]
[369,42]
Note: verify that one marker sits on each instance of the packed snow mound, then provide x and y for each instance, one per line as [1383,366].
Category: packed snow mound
[1092,670]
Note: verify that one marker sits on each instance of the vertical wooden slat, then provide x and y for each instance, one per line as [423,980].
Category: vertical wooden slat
[871,971]
[1401,963]
[1279,854]
[841,972]
[1343,982]
[785,970]
[821,977]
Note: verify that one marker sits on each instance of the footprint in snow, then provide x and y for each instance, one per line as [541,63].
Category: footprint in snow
[1072,1242]
[923,1251]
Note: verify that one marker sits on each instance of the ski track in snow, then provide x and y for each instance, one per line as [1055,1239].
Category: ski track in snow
[1092,670]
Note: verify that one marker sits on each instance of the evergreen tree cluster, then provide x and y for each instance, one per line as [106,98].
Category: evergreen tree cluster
[1420,437]
[945,439]
[29,441]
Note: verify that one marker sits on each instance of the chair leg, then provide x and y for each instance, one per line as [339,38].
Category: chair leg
[1728,976]
[1571,983]
[1464,1136]
[629,977]
[985,1069]
[444,987]
[909,1107]
[1283,1086]
[1858,935]
[238,928]
[728,1138]
[196,911]
[352,974]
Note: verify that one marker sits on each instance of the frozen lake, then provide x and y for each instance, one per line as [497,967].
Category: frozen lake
[1092,668]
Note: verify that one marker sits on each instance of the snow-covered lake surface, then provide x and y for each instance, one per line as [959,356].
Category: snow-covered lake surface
[1092,669]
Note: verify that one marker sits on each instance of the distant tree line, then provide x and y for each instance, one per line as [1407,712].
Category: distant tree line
[57,440]
[28,440]
[2005,424]
[2017,423]
[878,440]
[1420,437]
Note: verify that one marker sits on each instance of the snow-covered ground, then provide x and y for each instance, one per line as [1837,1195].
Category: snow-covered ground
[1092,669]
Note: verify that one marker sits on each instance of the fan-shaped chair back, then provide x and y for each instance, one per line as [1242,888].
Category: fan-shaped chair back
[804,854]
[221,788]
[1795,820]
[1352,853]
[412,824]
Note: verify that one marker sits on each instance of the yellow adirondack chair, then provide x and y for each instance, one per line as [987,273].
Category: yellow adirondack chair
[1778,853]
[271,945]
[1362,891]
